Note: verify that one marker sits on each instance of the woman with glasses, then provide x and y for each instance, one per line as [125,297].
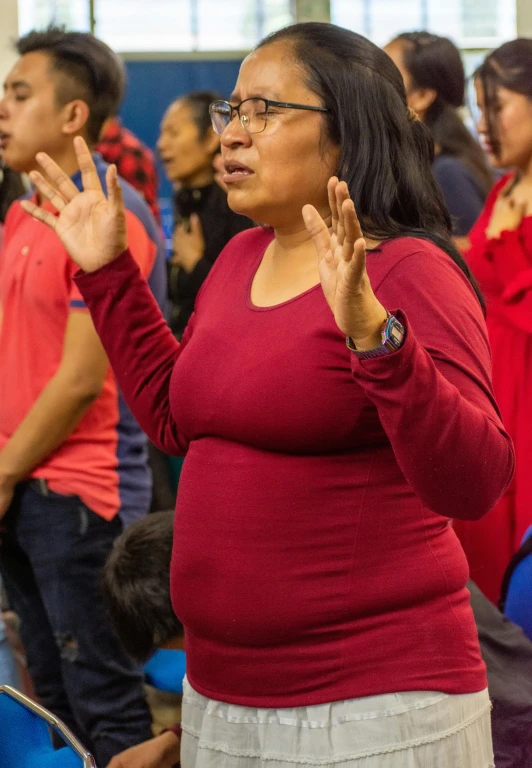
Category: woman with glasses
[434,79]
[332,394]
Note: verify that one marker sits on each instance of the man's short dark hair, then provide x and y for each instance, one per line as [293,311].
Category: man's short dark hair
[87,69]
[136,586]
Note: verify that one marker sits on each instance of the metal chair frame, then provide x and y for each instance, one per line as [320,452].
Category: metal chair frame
[53,721]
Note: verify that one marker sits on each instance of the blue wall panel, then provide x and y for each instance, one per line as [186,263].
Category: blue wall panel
[153,85]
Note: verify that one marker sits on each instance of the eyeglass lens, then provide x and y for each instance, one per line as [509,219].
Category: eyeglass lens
[252,113]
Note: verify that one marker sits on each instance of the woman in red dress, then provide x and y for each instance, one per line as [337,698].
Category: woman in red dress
[501,259]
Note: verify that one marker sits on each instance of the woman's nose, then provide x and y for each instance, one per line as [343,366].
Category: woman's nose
[235,134]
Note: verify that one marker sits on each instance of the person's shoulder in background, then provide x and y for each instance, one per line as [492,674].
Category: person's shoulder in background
[461,190]
[135,162]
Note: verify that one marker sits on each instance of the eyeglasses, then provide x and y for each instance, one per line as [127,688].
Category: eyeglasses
[252,113]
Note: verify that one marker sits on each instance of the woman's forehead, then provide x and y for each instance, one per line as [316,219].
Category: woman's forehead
[179,110]
[268,72]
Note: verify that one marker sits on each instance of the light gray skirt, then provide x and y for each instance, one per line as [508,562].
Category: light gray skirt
[399,730]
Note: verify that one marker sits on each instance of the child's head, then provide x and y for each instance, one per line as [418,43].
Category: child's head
[136,585]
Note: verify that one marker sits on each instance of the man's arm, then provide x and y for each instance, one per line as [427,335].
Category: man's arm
[60,406]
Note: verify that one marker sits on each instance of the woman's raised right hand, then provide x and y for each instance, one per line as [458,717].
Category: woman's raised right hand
[91,226]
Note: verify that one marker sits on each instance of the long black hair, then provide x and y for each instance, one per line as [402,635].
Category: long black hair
[385,155]
[434,62]
[510,66]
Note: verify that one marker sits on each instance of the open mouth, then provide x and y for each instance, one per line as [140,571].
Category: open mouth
[4,138]
[235,171]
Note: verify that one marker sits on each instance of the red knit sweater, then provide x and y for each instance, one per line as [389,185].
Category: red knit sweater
[313,557]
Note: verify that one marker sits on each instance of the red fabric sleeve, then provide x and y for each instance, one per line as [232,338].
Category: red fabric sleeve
[140,346]
[434,395]
[141,247]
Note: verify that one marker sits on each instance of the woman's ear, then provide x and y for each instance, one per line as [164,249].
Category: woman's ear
[420,100]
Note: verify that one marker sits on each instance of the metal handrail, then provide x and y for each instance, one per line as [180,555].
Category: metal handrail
[53,721]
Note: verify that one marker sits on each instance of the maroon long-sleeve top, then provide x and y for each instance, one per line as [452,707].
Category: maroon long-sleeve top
[313,557]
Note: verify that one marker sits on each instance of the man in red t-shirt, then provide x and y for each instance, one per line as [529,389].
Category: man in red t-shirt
[73,463]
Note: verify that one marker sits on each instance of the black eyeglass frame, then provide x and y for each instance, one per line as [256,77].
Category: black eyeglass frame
[268,102]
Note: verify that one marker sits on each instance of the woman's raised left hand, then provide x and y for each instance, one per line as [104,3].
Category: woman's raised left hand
[342,266]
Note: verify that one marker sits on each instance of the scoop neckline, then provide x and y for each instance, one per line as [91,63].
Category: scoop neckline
[255,308]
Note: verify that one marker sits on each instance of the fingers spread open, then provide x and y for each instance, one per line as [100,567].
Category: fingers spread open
[357,264]
[58,178]
[89,175]
[354,222]
[353,233]
[53,195]
[342,194]
[331,193]
[114,190]
[46,217]
[318,230]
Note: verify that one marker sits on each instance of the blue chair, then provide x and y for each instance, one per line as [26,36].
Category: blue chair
[165,670]
[25,738]
[517,587]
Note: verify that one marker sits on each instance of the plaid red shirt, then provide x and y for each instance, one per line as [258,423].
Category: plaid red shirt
[134,161]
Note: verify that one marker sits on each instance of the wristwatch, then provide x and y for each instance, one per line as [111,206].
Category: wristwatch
[393,335]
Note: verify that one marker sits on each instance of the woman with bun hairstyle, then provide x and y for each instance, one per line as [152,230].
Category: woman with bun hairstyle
[434,79]
[187,146]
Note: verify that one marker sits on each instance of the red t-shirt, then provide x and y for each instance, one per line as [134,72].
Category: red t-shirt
[313,556]
[37,293]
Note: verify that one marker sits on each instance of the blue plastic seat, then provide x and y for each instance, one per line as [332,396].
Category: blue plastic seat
[165,670]
[25,739]
[518,598]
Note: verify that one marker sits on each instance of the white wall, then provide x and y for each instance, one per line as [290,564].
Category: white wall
[8,33]
[312,10]
[524,18]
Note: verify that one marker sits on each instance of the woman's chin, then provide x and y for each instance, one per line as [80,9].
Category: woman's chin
[240,202]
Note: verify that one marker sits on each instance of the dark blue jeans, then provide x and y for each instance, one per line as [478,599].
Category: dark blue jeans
[51,557]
